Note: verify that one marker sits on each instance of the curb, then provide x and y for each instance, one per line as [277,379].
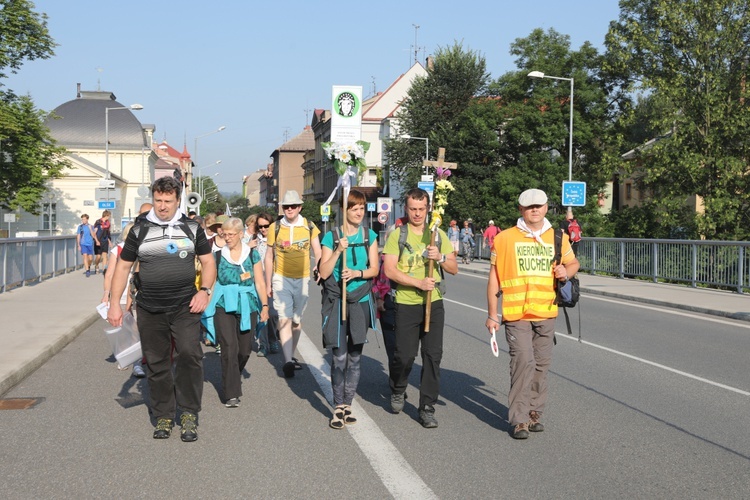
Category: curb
[17,376]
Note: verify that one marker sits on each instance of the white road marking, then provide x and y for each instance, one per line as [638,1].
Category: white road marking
[636,358]
[390,466]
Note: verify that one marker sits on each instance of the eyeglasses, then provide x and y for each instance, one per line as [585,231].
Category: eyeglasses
[291,207]
[232,235]
[264,226]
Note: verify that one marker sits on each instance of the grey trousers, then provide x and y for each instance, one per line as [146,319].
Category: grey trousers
[530,345]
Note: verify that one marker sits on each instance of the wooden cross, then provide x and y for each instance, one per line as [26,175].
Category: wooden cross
[440,161]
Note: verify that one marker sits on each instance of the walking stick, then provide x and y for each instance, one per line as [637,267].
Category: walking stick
[345,231]
[430,272]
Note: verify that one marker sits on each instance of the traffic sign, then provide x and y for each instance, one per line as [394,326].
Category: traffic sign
[574,194]
[325,210]
[427,186]
[372,207]
[383,217]
[385,204]
[324,218]
[107,205]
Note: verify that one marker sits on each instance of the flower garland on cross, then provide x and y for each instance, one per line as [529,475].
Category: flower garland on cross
[443,188]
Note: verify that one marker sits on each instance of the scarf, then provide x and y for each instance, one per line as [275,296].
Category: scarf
[151,217]
[537,235]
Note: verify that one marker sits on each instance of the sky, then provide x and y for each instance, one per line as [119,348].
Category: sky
[261,68]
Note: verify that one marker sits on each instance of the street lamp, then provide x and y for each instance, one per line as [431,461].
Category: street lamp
[132,107]
[195,149]
[426,145]
[200,178]
[204,191]
[539,74]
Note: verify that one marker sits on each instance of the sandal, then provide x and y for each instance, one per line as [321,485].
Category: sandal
[297,365]
[349,419]
[337,421]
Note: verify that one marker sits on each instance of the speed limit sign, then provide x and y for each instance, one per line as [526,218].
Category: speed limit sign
[383,217]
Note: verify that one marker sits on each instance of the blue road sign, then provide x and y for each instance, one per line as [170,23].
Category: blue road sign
[324,218]
[573,194]
[106,205]
[371,207]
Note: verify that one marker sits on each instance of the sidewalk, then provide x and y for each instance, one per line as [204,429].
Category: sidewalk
[40,320]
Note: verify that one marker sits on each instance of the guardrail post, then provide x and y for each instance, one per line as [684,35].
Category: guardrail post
[740,267]
[655,271]
[694,265]
[621,247]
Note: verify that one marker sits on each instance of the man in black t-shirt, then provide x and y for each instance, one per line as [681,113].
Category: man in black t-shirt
[166,244]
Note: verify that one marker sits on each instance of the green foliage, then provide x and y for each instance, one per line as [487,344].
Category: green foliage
[311,211]
[691,60]
[23,36]
[28,155]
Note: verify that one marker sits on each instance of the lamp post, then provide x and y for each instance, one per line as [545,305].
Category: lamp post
[539,74]
[204,191]
[426,146]
[195,149]
[200,178]
[132,107]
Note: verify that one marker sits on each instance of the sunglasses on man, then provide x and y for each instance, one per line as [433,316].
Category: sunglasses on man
[291,207]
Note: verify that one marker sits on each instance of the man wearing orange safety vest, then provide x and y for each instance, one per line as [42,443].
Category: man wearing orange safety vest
[523,270]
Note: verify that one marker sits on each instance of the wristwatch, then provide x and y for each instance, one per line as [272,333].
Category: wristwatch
[443,258]
[207,290]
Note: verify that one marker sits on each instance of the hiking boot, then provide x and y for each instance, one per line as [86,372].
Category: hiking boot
[427,417]
[520,431]
[535,425]
[397,402]
[163,428]
[189,432]
[262,351]
[88,273]
[275,347]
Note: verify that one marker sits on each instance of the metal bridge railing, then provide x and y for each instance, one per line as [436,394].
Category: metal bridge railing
[29,260]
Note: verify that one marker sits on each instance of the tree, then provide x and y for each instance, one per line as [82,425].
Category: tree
[28,155]
[691,60]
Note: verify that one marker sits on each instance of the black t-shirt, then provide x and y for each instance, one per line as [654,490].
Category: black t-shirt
[166,263]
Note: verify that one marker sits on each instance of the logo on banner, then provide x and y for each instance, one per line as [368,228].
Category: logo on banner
[346,104]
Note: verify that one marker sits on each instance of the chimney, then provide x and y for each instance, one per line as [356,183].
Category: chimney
[430,63]
[78,90]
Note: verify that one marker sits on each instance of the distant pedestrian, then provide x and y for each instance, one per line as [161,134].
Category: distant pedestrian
[490,233]
[268,336]
[573,229]
[103,235]
[522,267]
[453,235]
[86,239]
[467,243]
[166,243]
[291,240]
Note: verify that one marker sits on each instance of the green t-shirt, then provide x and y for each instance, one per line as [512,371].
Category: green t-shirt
[413,264]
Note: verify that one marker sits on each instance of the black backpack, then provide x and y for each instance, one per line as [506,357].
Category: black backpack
[567,293]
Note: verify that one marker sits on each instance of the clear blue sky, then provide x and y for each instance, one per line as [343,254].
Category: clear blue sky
[256,67]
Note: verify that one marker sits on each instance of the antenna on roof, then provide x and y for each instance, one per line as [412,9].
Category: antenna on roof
[307,116]
[286,133]
[99,79]
[374,88]
[416,47]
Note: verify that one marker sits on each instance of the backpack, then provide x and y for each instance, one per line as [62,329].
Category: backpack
[574,231]
[277,227]
[567,294]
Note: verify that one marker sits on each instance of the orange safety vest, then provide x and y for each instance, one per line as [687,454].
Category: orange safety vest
[524,270]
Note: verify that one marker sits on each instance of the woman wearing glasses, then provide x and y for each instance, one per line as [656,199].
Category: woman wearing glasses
[240,291]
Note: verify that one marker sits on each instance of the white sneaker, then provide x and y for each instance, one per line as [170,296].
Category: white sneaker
[138,370]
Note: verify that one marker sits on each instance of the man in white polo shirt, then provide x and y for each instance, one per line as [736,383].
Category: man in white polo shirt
[290,238]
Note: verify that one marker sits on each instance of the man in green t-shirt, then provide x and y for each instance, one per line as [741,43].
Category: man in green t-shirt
[408,269]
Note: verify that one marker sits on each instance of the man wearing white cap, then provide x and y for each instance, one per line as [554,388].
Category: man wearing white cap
[523,269]
[290,240]
[490,233]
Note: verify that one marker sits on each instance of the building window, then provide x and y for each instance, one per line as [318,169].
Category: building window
[49,212]
[628,191]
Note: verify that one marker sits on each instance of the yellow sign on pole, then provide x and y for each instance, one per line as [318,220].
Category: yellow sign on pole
[325,210]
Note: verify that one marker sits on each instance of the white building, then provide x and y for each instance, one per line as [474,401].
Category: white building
[79,126]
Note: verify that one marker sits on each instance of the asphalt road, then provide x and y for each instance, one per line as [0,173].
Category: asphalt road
[652,403]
